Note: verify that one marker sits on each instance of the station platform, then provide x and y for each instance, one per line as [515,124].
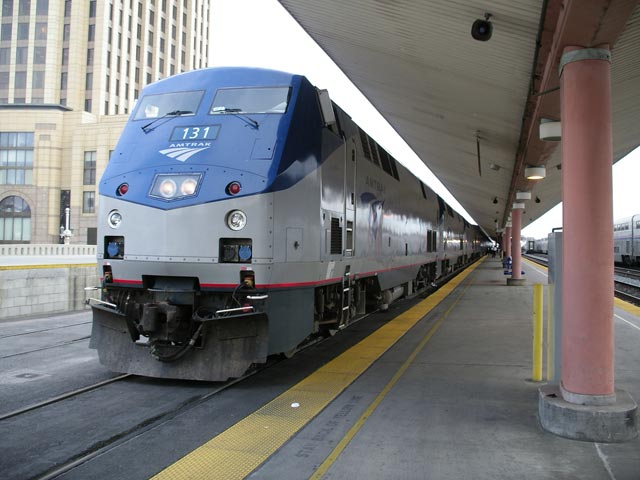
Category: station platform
[442,391]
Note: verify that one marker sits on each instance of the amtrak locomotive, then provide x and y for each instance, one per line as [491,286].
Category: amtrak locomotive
[242,212]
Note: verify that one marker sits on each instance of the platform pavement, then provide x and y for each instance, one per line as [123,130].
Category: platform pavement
[465,407]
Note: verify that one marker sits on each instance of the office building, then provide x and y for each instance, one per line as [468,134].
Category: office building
[70,72]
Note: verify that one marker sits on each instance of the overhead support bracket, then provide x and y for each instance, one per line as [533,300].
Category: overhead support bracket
[584,54]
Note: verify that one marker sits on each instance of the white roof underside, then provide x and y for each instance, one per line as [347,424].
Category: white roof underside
[419,66]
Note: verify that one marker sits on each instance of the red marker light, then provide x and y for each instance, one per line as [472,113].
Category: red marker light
[122,189]
[233,188]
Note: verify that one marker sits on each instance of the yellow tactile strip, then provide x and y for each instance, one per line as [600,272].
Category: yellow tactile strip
[51,266]
[627,307]
[239,450]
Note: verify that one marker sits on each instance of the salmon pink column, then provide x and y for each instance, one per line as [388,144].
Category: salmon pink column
[508,240]
[587,252]
[516,249]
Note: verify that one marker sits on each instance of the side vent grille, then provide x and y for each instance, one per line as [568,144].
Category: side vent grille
[336,236]
[365,145]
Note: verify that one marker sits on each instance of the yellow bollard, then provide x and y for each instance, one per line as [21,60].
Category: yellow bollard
[550,336]
[536,371]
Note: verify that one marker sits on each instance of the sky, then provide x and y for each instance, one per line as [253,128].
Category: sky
[260,33]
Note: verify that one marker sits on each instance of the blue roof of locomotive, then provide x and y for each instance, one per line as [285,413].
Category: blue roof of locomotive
[291,138]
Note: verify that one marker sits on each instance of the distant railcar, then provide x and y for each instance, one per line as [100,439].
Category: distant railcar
[242,212]
[626,240]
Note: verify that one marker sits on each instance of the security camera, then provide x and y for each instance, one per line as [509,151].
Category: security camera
[482,29]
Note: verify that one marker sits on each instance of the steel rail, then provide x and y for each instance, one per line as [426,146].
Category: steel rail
[64,396]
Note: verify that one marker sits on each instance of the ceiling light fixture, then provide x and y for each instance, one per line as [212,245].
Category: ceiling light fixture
[535,173]
[550,130]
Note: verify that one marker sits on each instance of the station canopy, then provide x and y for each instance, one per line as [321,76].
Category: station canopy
[447,94]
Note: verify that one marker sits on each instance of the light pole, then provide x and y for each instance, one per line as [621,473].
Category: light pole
[66,231]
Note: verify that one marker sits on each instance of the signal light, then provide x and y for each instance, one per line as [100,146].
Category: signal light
[122,189]
[233,188]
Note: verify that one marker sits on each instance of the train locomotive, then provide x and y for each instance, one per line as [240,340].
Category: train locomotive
[242,212]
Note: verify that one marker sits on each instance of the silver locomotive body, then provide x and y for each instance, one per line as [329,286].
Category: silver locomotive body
[187,294]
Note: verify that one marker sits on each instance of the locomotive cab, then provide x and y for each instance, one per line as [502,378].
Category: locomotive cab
[186,214]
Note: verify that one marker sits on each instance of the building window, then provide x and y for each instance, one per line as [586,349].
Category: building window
[87,105]
[6,32]
[88,202]
[63,81]
[89,56]
[15,220]
[7,8]
[5,56]
[88,84]
[39,55]
[38,79]
[92,9]
[91,35]
[20,81]
[42,7]
[41,31]
[89,177]
[23,7]
[21,55]
[23,31]
[16,158]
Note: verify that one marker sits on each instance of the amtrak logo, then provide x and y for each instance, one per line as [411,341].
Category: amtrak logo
[184,151]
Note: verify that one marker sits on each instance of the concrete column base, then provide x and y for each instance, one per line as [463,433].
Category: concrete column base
[614,423]
[516,281]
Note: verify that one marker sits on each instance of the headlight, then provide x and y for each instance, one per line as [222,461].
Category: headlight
[236,220]
[188,187]
[175,186]
[168,188]
[114,218]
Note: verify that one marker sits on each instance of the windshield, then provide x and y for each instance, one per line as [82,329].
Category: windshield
[157,106]
[251,100]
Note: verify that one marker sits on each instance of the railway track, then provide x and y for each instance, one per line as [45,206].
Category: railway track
[137,429]
[43,330]
[143,424]
[48,347]
[62,397]
[626,280]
